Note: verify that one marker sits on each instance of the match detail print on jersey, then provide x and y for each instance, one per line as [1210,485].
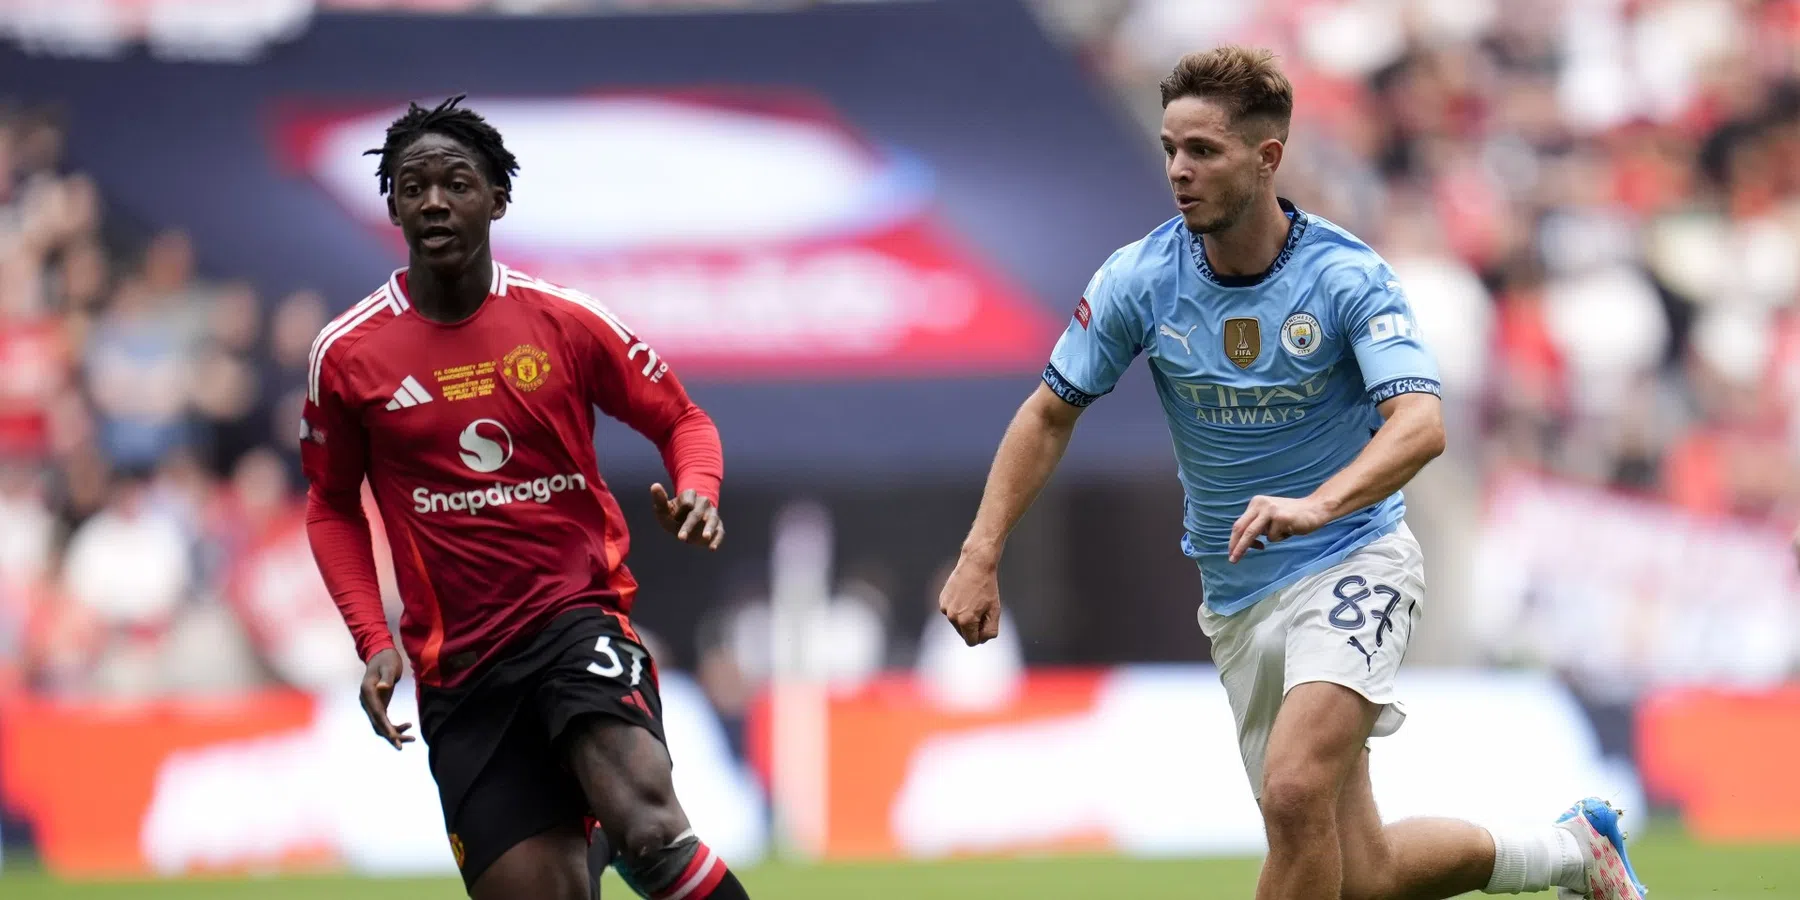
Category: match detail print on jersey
[466,382]
[1243,341]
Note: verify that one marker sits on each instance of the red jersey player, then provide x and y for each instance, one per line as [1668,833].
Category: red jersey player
[463,391]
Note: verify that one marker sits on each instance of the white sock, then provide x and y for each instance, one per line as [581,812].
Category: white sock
[1535,859]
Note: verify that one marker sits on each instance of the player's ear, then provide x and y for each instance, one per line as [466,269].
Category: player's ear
[393,212]
[1270,152]
[500,201]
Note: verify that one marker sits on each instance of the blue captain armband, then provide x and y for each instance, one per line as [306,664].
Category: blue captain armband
[1392,388]
[1070,394]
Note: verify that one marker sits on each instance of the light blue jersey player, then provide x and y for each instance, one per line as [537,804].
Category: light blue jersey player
[1301,398]
[1271,383]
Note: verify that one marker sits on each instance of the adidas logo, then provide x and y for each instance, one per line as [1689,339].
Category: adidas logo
[409,394]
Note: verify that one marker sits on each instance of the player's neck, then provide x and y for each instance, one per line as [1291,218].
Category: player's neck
[450,297]
[1250,246]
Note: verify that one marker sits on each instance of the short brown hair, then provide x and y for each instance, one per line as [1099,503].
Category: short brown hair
[1245,79]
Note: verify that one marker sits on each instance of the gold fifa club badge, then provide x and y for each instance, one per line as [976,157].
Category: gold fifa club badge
[526,367]
[1243,341]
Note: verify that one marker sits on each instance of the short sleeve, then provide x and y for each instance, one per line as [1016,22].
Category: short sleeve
[1385,337]
[1102,339]
[333,444]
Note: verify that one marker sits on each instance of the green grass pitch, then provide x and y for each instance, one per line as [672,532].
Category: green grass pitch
[1675,868]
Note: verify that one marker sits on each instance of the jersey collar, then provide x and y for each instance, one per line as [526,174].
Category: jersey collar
[397,285]
[1297,219]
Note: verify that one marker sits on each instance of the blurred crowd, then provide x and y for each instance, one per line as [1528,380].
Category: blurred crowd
[1594,204]
[148,466]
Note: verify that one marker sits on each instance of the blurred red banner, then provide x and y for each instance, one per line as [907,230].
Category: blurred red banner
[1726,758]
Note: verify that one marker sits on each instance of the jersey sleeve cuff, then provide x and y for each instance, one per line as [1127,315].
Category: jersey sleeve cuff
[376,645]
[1394,387]
[1066,389]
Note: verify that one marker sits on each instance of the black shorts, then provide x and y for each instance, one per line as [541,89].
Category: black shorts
[496,742]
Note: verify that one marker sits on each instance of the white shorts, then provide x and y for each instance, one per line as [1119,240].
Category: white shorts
[1347,625]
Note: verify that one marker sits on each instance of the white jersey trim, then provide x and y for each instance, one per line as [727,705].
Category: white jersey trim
[496,284]
[520,279]
[383,299]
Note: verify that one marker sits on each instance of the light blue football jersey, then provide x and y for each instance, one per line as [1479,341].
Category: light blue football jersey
[1270,382]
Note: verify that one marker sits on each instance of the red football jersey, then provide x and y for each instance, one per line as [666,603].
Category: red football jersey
[477,442]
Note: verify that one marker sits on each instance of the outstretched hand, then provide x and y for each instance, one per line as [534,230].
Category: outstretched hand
[377,688]
[691,518]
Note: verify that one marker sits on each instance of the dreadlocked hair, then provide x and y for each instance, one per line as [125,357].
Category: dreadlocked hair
[465,126]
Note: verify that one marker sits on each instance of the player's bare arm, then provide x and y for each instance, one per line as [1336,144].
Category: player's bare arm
[690,517]
[1033,445]
[1412,435]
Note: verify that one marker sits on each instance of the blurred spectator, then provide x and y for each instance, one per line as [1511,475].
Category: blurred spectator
[298,319]
[272,582]
[129,564]
[27,543]
[128,571]
[138,359]
[227,382]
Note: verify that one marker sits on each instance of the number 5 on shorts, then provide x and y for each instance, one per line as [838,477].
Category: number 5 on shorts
[616,667]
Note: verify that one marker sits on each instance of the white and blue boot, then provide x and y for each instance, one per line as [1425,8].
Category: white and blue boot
[1595,825]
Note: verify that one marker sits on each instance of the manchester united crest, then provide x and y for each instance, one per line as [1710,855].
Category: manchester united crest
[1243,341]
[526,367]
[456,849]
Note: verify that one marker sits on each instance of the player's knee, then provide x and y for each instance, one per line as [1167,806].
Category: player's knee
[652,835]
[1296,800]
[654,856]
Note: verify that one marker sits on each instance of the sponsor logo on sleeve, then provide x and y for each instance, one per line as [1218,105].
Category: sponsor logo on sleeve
[1084,314]
[311,434]
[1390,325]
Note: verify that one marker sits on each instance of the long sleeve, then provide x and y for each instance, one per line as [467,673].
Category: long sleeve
[334,455]
[693,455]
[630,382]
[344,549]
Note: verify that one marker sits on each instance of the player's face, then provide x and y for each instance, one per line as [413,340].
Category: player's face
[443,202]
[1215,171]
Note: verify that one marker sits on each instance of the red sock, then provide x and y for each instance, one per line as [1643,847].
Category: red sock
[705,878]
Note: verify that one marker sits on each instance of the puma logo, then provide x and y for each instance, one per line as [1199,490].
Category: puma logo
[1183,338]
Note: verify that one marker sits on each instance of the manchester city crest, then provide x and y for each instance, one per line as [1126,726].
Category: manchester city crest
[1301,334]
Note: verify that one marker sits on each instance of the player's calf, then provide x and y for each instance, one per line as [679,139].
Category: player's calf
[683,868]
[626,774]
